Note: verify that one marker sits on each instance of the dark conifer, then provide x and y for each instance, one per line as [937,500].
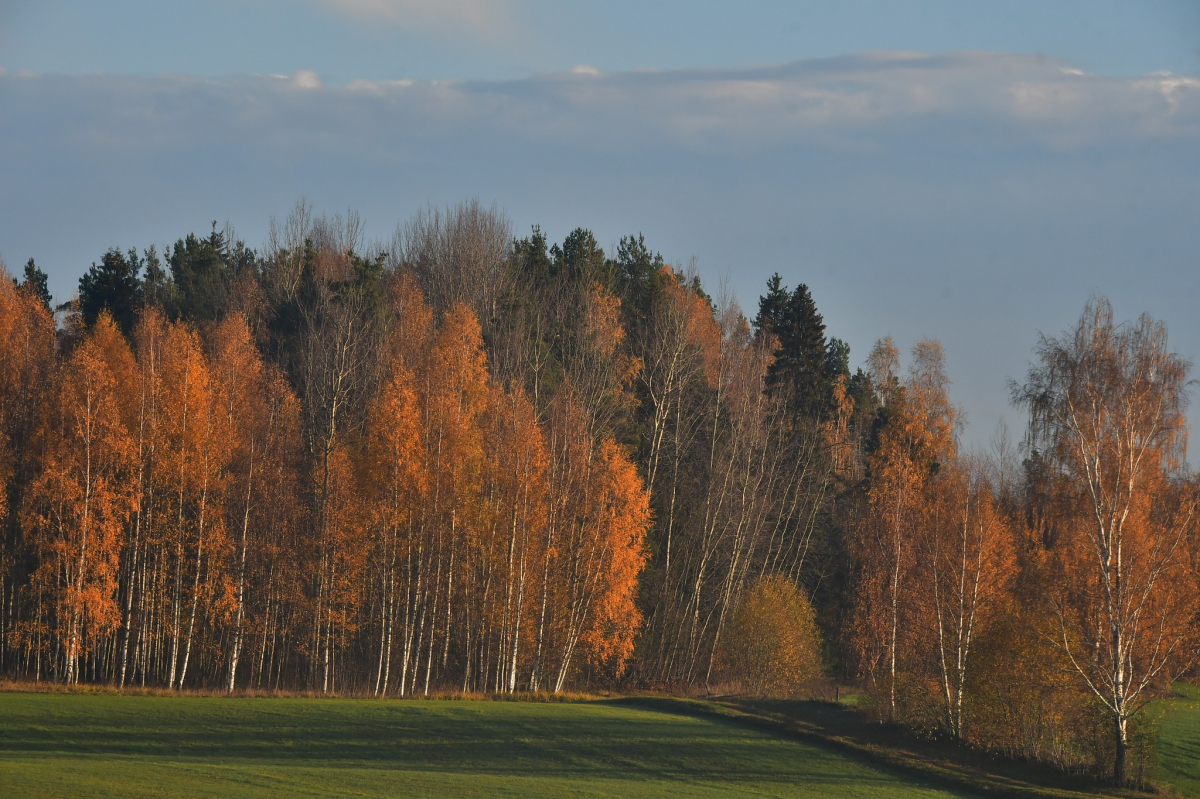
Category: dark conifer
[36,283]
[201,277]
[112,284]
[804,362]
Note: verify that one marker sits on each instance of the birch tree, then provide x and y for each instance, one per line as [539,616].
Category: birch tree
[965,566]
[1107,405]
[915,441]
[85,496]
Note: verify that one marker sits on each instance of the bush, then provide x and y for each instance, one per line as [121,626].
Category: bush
[771,646]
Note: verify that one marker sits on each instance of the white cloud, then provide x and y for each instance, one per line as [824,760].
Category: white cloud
[856,103]
[306,79]
[1175,89]
[1018,182]
[478,19]
[837,101]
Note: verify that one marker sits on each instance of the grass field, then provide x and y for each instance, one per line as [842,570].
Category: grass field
[1179,742]
[107,745]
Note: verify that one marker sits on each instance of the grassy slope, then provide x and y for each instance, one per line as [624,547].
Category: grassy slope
[96,744]
[896,748]
[1179,742]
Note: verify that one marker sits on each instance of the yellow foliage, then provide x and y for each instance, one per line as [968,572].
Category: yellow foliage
[772,646]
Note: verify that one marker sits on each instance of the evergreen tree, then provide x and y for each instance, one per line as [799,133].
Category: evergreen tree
[581,258]
[113,284]
[771,307]
[157,289]
[837,359]
[35,283]
[636,264]
[533,258]
[640,279]
[201,277]
[804,363]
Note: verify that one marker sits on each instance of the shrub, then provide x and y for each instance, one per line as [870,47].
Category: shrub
[771,646]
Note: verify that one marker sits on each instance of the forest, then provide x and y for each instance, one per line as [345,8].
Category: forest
[461,460]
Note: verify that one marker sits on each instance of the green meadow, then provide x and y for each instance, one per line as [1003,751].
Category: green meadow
[104,744]
[109,745]
[1178,749]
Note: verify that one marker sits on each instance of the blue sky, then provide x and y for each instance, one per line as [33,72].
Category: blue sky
[344,40]
[965,171]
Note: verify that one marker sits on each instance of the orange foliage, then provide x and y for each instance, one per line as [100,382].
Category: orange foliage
[966,564]
[28,378]
[916,441]
[1108,408]
[774,646]
[620,519]
[85,496]
[180,528]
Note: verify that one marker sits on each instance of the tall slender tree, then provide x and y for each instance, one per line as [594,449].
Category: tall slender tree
[84,498]
[1107,405]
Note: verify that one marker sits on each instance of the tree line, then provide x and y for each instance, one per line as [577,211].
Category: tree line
[462,460]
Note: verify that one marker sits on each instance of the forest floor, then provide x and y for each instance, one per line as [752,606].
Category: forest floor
[105,744]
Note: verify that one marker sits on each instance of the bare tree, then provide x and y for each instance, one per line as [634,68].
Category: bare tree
[461,254]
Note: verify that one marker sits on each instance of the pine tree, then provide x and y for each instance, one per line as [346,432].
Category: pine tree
[202,280]
[640,278]
[157,289]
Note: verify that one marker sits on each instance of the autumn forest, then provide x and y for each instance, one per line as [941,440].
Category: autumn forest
[462,460]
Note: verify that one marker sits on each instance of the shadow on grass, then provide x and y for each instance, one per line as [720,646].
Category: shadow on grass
[595,739]
[893,747]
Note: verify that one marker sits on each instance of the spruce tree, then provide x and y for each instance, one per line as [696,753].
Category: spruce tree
[36,283]
[112,284]
[202,279]
[803,362]
[771,307]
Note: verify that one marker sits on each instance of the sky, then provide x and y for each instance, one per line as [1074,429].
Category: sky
[970,172]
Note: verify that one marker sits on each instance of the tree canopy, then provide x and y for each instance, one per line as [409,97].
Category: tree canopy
[471,461]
